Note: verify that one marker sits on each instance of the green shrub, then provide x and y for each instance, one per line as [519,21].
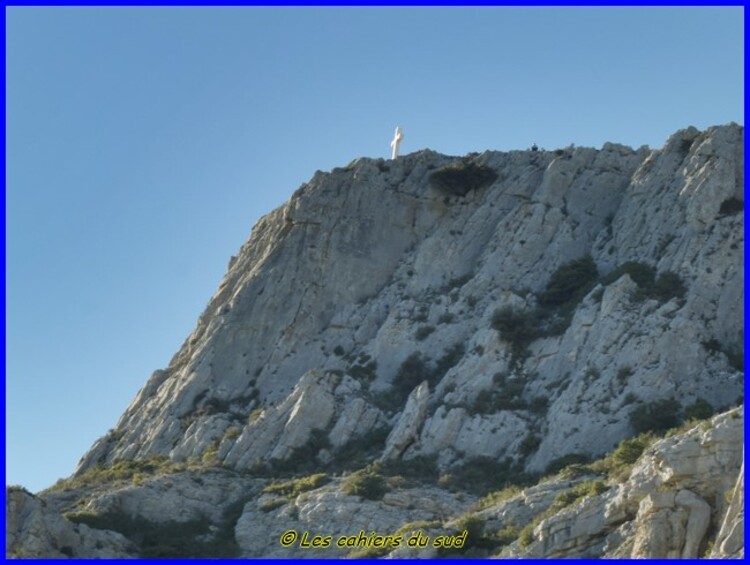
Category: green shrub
[460,178]
[563,500]
[215,406]
[618,464]
[480,475]
[493,401]
[507,395]
[685,146]
[529,444]
[713,345]
[273,504]
[365,483]
[554,322]
[578,492]
[254,415]
[623,373]
[17,488]
[699,410]
[731,206]
[478,543]
[364,371]
[567,285]
[507,534]
[295,487]
[458,282]
[628,451]
[446,318]
[574,471]
[410,374]
[641,274]
[709,548]
[211,453]
[483,403]
[658,416]
[629,399]
[121,470]
[664,287]
[422,468]
[517,327]
[496,497]
[570,282]
[561,463]
[735,356]
[339,351]
[526,536]
[539,404]
[591,488]
[668,285]
[423,331]
[472,524]
[450,359]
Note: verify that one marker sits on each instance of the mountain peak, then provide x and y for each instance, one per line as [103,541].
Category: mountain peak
[507,309]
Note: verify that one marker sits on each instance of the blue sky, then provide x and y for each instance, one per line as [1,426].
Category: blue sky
[144,143]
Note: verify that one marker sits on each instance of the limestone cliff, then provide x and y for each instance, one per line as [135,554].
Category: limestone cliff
[669,506]
[509,310]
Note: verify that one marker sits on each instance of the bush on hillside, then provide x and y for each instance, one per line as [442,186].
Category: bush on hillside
[570,282]
[460,178]
[642,274]
[731,206]
[365,483]
[657,416]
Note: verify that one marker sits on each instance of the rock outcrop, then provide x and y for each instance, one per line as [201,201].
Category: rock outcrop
[680,490]
[502,311]
[683,498]
[330,512]
[731,539]
[35,530]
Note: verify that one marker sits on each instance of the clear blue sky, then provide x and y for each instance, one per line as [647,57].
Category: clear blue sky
[143,144]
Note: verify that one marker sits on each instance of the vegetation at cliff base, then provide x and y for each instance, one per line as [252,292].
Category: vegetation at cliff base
[365,483]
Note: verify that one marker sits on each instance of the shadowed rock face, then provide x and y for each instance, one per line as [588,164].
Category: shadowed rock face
[34,530]
[368,306]
[374,262]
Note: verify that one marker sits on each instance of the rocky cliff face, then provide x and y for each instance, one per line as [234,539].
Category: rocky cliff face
[674,496]
[503,309]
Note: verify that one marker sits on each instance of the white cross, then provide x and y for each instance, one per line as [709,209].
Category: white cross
[397,137]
